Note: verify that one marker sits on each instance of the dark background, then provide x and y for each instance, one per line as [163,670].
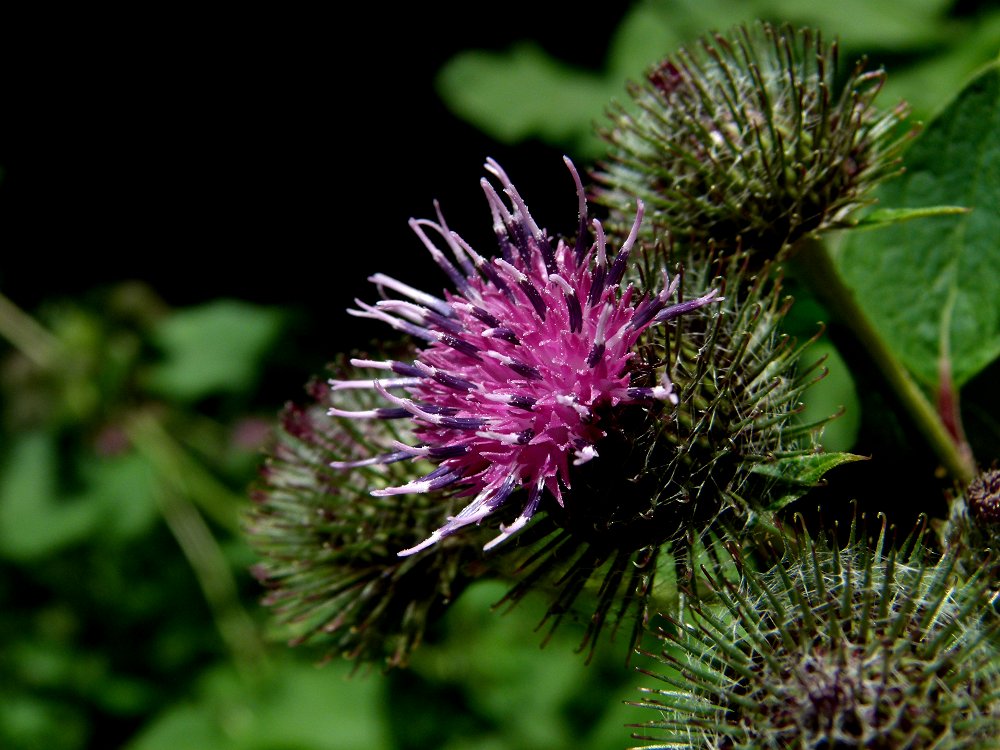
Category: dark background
[274,157]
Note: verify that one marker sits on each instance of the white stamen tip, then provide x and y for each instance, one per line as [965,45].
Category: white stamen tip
[432,539]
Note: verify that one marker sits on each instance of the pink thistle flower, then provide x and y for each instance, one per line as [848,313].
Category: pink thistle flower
[518,361]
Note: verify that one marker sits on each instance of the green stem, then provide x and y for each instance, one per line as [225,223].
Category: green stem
[814,262]
[201,549]
[25,333]
[188,476]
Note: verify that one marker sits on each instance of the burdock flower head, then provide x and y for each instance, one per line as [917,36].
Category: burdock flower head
[522,363]
[833,648]
[563,396]
[745,140]
[983,497]
[328,550]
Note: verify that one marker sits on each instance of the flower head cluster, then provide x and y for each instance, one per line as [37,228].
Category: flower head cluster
[845,648]
[745,140]
[546,388]
[983,496]
[519,362]
[328,551]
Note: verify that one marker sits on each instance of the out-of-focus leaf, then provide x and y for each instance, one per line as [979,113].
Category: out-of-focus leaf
[971,43]
[123,486]
[28,722]
[213,348]
[905,24]
[524,92]
[185,725]
[648,32]
[516,694]
[932,287]
[34,520]
[833,394]
[296,706]
[900,24]
[37,519]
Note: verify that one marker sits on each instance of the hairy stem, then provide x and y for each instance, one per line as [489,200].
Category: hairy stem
[813,261]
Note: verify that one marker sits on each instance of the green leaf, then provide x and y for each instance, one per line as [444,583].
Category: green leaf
[30,721]
[523,93]
[800,473]
[515,694]
[34,520]
[214,348]
[932,288]
[295,705]
[834,394]
[864,24]
[924,85]
[806,470]
[124,488]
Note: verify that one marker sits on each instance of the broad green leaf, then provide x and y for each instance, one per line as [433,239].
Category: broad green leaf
[214,348]
[799,473]
[932,287]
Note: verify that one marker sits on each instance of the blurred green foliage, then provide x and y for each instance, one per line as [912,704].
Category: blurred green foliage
[119,507]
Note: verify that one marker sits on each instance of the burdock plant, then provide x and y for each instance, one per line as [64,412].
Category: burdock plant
[583,424]
[580,414]
[748,141]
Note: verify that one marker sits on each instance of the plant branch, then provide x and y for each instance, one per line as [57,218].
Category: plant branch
[201,549]
[27,335]
[813,261]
